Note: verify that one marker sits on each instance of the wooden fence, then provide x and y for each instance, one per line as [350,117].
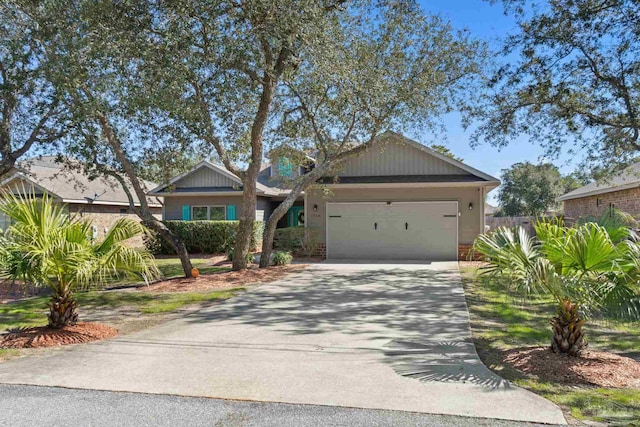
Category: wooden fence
[525,222]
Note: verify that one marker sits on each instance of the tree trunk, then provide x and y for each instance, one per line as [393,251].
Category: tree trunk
[62,308]
[568,335]
[242,244]
[177,244]
[307,180]
[143,210]
[272,224]
[270,228]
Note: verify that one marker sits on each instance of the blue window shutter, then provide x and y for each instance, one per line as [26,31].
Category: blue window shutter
[231,212]
[186,213]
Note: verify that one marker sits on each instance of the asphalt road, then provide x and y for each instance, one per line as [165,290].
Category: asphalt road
[51,406]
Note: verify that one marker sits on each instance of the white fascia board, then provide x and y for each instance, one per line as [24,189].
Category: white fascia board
[473,184]
[24,177]
[106,202]
[202,193]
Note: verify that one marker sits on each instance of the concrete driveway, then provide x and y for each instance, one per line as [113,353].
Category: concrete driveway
[350,334]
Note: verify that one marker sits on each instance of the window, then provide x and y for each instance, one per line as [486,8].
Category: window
[217,213]
[212,213]
[285,167]
[200,213]
[123,211]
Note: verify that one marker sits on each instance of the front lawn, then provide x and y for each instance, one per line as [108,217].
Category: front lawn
[171,267]
[33,311]
[500,322]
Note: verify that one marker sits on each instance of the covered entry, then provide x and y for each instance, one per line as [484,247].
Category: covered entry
[393,230]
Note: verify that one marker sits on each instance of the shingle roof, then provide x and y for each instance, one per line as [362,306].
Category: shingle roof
[263,185]
[628,178]
[73,186]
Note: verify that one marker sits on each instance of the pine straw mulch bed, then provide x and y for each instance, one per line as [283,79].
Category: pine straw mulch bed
[224,279]
[43,336]
[593,368]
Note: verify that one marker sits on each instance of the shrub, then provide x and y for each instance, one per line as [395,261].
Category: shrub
[46,248]
[201,236]
[297,240]
[250,257]
[281,258]
[588,270]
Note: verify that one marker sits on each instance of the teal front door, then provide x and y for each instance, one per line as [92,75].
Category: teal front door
[295,216]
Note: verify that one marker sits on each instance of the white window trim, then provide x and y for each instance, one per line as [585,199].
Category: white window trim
[208,212]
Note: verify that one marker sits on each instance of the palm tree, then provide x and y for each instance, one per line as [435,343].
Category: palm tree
[45,247]
[587,270]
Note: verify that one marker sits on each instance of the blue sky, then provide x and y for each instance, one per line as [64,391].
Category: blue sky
[487,22]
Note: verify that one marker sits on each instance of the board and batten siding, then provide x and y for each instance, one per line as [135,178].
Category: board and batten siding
[205,177]
[470,222]
[397,159]
[173,205]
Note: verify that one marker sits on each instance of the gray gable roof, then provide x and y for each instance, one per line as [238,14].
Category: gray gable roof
[628,178]
[70,186]
[206,177]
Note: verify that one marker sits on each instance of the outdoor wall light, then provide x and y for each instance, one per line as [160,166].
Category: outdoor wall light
[315,208]
[470,206]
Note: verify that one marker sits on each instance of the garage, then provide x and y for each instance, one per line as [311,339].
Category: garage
[393,230]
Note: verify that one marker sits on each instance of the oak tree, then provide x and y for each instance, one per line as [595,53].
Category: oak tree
[395,67]
[31,115]
[571,80]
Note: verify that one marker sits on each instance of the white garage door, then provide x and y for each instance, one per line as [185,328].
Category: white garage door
[400,230]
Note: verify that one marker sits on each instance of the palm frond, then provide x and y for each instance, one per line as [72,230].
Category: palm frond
[44,246]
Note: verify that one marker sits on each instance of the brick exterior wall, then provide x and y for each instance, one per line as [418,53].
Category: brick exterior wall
[322,250]
[464,251]
[104,216]
[625,200]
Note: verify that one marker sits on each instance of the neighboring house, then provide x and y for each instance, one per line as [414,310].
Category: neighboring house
[490,210]
[102,200]
[398,201]
[621,191]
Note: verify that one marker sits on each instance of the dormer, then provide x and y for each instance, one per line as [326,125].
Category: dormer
[288,164]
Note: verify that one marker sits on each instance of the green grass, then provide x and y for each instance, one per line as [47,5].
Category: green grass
[6,353]
[501,321]
[171,267]
[33,311]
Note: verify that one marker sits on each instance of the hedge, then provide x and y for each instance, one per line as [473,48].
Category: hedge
[298,240]
[209,237]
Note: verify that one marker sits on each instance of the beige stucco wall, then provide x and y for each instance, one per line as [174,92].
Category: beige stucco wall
[471,222]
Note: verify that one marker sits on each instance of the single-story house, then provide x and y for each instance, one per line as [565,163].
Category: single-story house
[101,200]
[621,191]
[400,200]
